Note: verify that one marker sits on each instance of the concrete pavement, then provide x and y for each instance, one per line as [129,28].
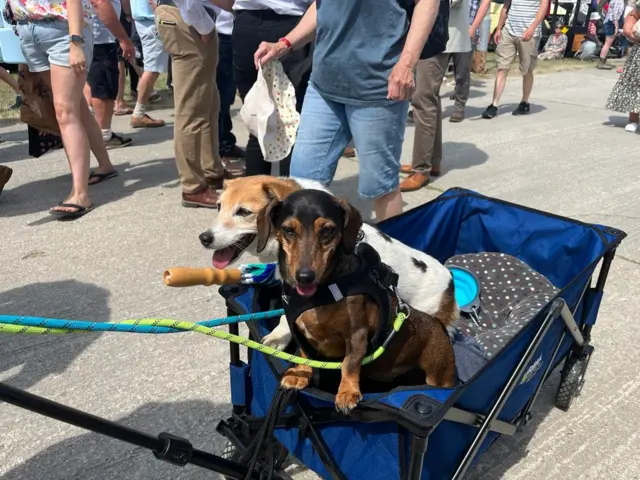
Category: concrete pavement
[568,157]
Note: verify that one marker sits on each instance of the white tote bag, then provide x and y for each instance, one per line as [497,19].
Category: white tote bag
[269,112]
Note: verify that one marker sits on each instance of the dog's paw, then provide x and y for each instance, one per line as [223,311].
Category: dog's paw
[347,400]
[295,379]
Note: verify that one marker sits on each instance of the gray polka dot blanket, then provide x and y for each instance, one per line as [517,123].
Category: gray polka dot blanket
[511,294]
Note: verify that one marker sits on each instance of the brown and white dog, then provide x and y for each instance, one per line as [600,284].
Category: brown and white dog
[317,235]
[424,282]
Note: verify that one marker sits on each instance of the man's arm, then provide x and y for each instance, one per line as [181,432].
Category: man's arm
[483,8]
[542,13]
[422,20]
[107,15]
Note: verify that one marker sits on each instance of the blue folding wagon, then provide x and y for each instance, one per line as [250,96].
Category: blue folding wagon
[539,299]
[536,299]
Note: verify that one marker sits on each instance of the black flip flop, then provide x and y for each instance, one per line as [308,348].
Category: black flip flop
[77,214]
[102,176]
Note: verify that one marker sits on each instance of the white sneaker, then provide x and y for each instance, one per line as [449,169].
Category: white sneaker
[631,127]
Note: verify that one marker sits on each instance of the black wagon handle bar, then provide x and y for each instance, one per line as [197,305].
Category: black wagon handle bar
[167,447]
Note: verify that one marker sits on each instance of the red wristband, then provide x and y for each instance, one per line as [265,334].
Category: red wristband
[286,42]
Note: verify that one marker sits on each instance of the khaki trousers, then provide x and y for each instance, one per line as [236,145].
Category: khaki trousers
[197,103]
[427,113]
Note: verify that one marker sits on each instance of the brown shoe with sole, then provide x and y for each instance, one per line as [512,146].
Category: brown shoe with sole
[406,169]
[146,122]
[206,198]
[413,182]
[5,175]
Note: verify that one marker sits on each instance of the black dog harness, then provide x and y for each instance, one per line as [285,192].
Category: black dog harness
[373,278]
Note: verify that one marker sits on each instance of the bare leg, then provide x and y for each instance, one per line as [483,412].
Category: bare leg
[527,86]
[96,142]
[605,49]
[145,87]
[9,80]
[86,91]
[69,102]
[388,205]
[634,118]
[501,81]
[104,112]
[121,104]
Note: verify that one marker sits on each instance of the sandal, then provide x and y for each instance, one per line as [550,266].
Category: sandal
[102,176]
[80,210]
[121,113]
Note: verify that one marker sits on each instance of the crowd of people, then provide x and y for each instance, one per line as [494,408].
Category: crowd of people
[351,92]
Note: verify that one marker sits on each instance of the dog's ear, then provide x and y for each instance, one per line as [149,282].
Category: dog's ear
[351,227]
[277,189]
[266,218]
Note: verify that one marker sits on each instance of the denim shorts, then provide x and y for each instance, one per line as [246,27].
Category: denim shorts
[609,28]
[155,57]
[327,127]
[46,42]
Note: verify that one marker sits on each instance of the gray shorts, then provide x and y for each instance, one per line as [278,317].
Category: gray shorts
[155,57]
[46,42]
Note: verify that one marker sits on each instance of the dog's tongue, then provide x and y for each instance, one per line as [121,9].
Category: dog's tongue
[222,258]
[306,291]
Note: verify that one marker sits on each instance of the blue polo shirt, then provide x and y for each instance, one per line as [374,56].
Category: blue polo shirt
[358,42]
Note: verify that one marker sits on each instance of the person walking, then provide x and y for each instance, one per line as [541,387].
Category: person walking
[57,43]
[518,34]
[427,109]
[356,93]
[625,96]
[187,29]
[229,150]
[155,58]
[611,31]
[101,89]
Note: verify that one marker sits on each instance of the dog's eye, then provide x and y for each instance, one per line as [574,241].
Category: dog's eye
[326,233]
[243,212]
[288,232]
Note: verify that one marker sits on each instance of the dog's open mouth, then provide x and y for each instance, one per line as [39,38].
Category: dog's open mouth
[306,290]
[225,256]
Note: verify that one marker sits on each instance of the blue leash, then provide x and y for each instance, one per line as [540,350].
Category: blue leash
[130,326]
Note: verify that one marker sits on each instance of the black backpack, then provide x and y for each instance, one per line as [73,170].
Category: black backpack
[439,36]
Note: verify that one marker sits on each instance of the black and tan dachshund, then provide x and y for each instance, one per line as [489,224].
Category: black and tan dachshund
[317,235]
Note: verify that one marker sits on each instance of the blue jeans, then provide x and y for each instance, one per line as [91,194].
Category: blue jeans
[227,90]
[327,127]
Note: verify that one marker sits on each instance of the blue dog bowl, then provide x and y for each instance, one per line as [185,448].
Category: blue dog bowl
[466,288]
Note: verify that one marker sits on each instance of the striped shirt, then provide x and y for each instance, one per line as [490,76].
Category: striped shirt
[521,15]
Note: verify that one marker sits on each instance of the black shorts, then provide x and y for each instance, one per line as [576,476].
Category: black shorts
[103,73]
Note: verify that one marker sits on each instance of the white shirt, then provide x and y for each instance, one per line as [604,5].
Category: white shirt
[195,15]
[224,21]
[282,7]
[102,34]
[459,40]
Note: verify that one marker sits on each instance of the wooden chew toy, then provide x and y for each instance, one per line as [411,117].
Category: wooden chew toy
[189,277]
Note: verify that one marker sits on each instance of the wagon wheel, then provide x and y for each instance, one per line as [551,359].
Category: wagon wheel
[572,378]
[280,454]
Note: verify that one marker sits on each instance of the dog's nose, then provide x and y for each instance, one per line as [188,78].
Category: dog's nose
[305,276]
[206,238]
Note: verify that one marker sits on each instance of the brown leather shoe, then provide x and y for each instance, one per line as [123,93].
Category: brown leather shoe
[5,175]
[146,122]
[457,116]
[407,169]
[413,182]
[349,152]
[206,198]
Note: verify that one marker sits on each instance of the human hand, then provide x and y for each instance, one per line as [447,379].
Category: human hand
[128,50]
[401,82]
[528,34]
[497,36]
[269,51]
[472,34]
[77,60]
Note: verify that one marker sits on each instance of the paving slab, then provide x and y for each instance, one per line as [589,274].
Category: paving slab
[569,156]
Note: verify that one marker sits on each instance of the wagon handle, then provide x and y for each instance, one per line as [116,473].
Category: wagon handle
[189,277]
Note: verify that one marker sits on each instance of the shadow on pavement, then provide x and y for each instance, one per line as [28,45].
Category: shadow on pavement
[506,452]
[41,195]
[460,156]
[91,456]
[37,356]
[616,121]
